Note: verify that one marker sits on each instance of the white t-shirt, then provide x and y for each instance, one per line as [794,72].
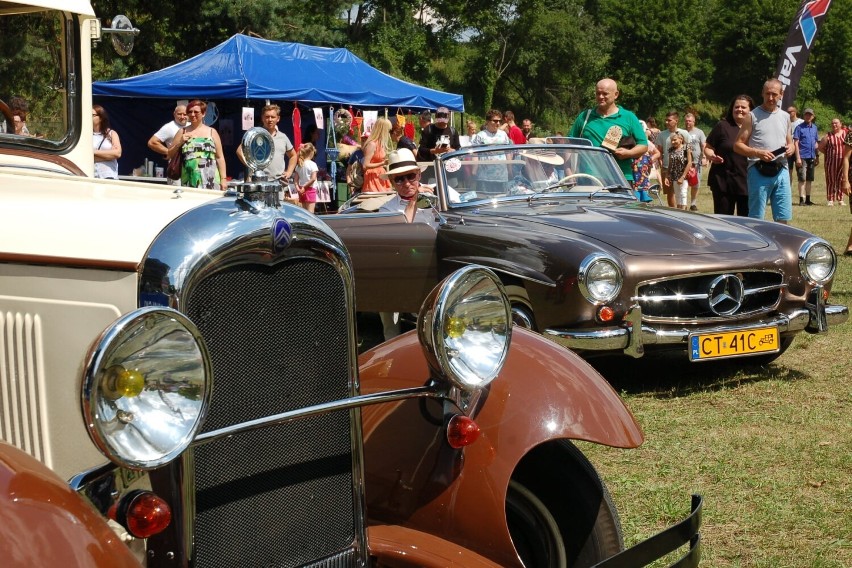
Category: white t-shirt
[304,172]
[167,132]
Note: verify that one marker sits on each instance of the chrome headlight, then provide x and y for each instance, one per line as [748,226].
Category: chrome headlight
[146,387]
[465,326]
[600,278]
[817,261]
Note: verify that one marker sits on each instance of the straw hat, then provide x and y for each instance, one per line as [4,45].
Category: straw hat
[401,161]
[545,156]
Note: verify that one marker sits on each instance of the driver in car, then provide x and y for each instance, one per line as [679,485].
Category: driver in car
[404,175]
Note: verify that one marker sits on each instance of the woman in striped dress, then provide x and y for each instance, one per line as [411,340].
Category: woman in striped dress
[832,146]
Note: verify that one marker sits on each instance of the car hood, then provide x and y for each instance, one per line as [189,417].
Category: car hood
[110,222]
[635,229]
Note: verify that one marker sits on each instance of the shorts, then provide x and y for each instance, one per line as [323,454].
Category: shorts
[805,172]
[775,189]
[309,196]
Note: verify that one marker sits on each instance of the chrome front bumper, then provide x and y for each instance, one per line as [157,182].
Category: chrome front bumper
[814,318]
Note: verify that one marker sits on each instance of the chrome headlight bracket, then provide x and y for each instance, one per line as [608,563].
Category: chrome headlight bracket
[600,278]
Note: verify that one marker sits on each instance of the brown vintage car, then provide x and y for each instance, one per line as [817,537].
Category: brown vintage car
[589,266]
[181,370]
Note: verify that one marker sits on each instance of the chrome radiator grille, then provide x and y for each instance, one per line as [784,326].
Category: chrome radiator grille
[690,297]
[283,495]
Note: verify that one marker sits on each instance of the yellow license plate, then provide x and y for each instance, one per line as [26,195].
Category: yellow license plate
[733,343]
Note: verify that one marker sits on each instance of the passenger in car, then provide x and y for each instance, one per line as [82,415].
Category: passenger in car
[404,175]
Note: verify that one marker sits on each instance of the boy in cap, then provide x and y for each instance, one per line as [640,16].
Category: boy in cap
[438,138]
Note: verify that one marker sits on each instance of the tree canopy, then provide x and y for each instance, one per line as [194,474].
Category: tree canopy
[540,58]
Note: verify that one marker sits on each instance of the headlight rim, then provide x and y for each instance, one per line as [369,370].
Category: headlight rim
[432,324]
[583,274]
[805,250]
[94,362]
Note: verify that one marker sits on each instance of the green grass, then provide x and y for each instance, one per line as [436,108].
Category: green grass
[769,448]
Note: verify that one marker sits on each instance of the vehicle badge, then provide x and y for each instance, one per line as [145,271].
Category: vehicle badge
[282,233]
[726,294]
[612,138]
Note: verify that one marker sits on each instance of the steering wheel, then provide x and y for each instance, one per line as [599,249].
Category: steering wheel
[570,177]
[7,112]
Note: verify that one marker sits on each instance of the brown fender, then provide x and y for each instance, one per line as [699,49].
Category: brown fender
[43,522]
[415,479]
[399,547]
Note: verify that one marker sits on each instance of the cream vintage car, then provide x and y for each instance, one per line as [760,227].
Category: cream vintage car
[186,364]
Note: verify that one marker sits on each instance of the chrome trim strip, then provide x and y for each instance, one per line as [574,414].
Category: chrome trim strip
[618,338]
[354,402]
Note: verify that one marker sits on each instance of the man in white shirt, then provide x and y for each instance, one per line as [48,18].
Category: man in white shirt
[162,139]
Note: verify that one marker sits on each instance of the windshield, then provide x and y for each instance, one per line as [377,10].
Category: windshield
[503,172]
[34,77]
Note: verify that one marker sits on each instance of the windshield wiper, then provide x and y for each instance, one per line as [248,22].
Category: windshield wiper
[612,188]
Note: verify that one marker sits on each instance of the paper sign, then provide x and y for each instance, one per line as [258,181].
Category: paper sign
[612,138]
[318,117]
[248,118]
[370,117]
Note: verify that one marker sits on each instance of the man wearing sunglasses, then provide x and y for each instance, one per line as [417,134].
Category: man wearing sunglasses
[404,175]
[438,138]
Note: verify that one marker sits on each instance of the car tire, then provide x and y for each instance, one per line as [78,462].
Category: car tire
[522,312]
[555,483]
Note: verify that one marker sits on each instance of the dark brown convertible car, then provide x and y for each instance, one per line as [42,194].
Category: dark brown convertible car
[588,265]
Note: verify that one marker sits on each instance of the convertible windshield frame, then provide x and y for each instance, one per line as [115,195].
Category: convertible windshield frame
[489,175]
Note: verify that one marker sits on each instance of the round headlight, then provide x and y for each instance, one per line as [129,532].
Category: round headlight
[817,261]
[466,326]
[600,278]
[146,387]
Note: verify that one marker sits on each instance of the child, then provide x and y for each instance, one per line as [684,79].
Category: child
[306,175]
[680,160]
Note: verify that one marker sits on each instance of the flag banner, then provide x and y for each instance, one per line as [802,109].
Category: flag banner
[797,48]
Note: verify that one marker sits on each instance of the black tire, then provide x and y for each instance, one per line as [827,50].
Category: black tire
[522,312]
[566,490]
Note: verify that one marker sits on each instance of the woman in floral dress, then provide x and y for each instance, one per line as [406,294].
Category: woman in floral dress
[201,147]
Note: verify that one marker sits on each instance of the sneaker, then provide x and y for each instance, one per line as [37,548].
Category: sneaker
[693,207]
[841,203]
[830,203]
[809,202]
[801,201]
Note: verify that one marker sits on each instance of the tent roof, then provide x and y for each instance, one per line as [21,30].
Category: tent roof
[244,67]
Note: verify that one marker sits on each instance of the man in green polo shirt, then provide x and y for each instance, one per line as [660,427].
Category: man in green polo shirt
[612,127]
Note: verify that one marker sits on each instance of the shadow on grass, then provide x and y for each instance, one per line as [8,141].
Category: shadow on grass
[671,375]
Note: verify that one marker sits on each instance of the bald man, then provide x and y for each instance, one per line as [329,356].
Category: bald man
[612,127]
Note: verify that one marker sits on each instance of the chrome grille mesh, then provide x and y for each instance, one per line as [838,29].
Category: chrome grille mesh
[280,496]
[687,297]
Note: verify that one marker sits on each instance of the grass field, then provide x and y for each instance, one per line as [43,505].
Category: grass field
[769,448]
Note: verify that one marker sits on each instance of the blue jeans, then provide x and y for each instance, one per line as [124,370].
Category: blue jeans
[775,189]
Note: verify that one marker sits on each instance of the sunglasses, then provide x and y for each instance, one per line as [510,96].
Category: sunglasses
[441,115]
[397,180]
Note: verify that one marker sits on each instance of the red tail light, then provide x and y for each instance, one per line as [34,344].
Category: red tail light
[143,513]
[462,431]
[605,313]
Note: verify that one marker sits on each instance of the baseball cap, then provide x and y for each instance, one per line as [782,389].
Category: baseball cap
[426,114]
[809,111]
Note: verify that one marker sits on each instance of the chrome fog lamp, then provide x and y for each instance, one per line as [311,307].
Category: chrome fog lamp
[465,327]
[600,278]
[146,387]
[817,261]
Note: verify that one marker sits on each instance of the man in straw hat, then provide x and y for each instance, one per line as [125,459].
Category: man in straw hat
[404,175]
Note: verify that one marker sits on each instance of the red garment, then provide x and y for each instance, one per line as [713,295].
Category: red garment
[408,130]
[516,135]
[297,127]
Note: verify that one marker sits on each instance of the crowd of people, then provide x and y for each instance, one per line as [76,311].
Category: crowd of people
[751,152]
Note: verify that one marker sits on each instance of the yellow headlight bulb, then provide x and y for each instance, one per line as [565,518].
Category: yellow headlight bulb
[455,327]
[120,382]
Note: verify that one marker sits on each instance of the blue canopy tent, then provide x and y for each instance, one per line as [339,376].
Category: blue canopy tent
[244,69]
